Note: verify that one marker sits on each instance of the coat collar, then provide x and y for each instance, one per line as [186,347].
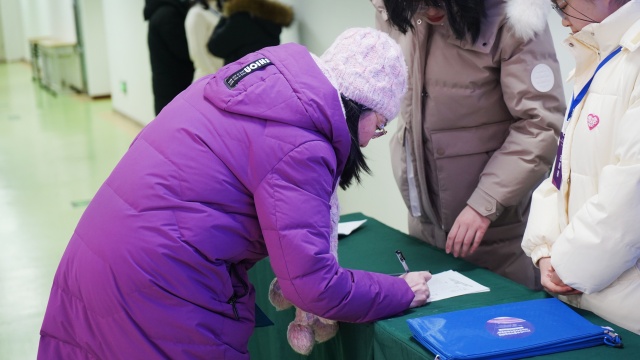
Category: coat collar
[596,41]
[620,28]
[273,11]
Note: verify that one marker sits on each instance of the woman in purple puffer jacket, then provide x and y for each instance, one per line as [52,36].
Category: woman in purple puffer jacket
[240,166]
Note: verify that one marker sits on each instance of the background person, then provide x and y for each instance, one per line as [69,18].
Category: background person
[248,26]
[583,229]
[171,67]
[478,128]
[202,18]
[239,166]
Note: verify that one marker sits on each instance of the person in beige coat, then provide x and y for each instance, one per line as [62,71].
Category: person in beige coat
[584,228]
[479,126]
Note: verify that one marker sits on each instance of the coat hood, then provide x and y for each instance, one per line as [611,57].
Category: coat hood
[151,6]
[288,87]
[527,17]
[273,11]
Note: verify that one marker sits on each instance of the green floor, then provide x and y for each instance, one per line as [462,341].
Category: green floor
[55,151]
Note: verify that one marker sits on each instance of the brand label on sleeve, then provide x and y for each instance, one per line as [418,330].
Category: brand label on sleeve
[257,65]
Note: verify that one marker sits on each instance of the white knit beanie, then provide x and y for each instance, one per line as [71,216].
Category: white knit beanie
[368,67]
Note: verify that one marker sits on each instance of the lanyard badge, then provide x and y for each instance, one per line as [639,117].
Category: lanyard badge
[556,175]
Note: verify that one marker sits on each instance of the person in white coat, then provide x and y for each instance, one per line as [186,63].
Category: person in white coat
[584,226]
[201,19]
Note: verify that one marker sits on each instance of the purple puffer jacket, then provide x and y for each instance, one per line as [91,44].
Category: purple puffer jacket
[224,176]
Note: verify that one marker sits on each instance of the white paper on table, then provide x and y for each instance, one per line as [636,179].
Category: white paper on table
[451,283]
[346,228]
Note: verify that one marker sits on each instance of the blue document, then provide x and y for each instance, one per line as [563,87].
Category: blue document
[509,331]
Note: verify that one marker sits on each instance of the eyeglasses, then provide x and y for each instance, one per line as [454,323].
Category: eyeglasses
[380,129]
[560,11]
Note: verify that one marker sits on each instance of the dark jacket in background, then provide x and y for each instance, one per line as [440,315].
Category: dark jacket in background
[248,26]
[171,67]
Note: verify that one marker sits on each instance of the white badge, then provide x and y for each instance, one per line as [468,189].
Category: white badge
[542,78]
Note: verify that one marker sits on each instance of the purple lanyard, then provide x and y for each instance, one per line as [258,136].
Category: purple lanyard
[557,167]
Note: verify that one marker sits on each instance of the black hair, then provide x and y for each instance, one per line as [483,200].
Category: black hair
[356,162]
[464,16]
[204,3]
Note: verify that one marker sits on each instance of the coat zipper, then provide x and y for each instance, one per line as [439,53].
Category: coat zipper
[232,302]
[234,298]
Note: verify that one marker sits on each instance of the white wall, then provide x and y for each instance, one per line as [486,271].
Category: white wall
[94,43]
[35,18]
[60,20]
[3,55]
[567,63]
[290,34]
[320,22]
[12,30]
[53,18]
[22,20]
[128,54]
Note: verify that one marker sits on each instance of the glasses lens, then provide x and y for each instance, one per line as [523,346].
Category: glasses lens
[379,132]
[559,11]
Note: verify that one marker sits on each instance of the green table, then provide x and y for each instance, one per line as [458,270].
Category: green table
[372,247]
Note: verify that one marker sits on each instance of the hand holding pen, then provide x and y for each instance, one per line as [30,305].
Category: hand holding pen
[417,281]
[402,261]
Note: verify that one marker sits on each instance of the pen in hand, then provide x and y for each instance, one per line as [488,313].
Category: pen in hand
[402,261]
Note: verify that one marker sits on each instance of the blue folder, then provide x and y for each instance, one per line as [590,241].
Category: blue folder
[262,319]
[509,331]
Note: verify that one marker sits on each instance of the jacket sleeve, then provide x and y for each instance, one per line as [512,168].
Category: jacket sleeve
[602,240]
[543,227]
[529,148]
[293,208]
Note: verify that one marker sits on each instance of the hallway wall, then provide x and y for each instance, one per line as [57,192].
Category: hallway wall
[129,67]
[53,18]
[12,30]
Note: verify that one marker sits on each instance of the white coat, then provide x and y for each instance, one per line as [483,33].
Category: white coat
[591,226]
[199,25]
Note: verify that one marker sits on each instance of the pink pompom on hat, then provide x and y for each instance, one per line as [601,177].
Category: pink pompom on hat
[368,67]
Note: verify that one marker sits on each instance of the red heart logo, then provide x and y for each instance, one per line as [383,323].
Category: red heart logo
[592,121]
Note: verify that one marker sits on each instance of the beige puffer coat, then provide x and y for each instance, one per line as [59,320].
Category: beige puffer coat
[478,126]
